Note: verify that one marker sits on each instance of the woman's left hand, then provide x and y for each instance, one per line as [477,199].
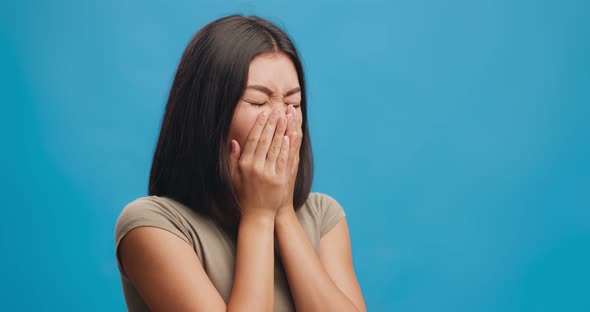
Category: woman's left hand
[295,133]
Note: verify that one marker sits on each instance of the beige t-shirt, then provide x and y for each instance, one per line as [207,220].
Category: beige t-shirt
[215,249]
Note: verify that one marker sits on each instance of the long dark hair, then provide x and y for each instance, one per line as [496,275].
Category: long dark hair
[191,160]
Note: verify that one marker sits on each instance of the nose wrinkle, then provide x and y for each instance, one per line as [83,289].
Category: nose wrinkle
[283,108]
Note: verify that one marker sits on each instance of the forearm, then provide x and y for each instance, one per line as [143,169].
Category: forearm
[310,284]
[253,286]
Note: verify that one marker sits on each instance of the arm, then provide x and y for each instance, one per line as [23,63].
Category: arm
[325,283]
[169,276]
[165,269]
[253,288]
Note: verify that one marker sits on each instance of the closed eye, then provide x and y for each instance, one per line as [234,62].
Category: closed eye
[261,104]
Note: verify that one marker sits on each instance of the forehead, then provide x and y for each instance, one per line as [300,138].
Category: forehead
[274,70]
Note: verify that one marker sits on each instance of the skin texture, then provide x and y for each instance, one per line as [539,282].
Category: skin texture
[264,159]
[272,86]
[276,72]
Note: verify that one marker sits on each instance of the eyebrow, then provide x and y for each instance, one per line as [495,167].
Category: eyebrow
[269,91]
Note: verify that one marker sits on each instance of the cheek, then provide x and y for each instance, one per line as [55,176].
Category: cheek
[241,125]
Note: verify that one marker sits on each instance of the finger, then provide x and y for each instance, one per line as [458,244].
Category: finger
[299,138]
[292,133]
[281,164]
[297,143]
[234,156]
[254,135]
[298,128]
[266,137]
[275,146]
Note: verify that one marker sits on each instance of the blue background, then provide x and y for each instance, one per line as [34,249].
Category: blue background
[455,134]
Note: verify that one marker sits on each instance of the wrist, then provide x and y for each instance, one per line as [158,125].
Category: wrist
[285,214]
[258,218]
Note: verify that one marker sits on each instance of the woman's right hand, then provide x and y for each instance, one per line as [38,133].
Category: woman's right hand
[259,172]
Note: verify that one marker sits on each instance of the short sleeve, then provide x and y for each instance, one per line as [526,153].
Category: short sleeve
[331,213]
[144,212]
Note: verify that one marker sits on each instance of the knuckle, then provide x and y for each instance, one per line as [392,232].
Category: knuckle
[274,149]
[258,168]
[252,139]
[267,177]
[263,141]
[244,164]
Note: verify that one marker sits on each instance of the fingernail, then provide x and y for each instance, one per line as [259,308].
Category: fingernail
[264,114]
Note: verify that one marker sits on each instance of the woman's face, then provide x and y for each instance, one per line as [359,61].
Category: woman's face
[272,84]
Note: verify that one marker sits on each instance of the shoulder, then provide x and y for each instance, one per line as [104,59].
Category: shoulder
[160,203]
[147,207]
[155,211]
[325,210]
[158,212]
[142,204]
[322,203]
[319,199]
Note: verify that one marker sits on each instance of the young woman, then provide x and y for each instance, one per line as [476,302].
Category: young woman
[230,223]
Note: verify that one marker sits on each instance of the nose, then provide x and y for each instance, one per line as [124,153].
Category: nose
[281,106]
